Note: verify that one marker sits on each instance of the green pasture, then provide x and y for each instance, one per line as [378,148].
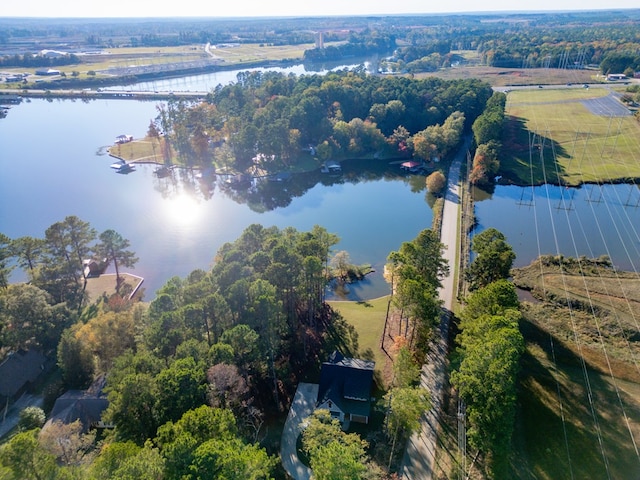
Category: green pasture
[551,136]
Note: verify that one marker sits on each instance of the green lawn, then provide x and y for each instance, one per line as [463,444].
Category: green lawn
[575,145]
[368,319]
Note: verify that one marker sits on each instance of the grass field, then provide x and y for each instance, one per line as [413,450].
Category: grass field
[571,145]
[368,319]
[234,56]
[579,399]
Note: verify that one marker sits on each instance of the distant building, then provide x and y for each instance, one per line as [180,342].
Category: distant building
[345,388]
[612,77]
[319,40]
[124,139]
[47,71]
[52,54]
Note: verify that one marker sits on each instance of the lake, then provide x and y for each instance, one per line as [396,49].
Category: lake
[54,164]
[593,220]
[208,81]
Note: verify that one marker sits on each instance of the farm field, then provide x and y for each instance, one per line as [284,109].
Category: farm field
[569,136]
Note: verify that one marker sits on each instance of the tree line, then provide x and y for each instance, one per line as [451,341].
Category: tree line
[487,133]
[486,361]
[267,120]
[31,60]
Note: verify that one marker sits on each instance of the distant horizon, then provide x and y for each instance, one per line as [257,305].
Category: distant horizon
[257,9]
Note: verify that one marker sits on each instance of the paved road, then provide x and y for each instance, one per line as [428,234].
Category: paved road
[419,458]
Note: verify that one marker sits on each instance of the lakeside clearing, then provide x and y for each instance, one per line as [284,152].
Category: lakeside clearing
[105,284]
[368,317]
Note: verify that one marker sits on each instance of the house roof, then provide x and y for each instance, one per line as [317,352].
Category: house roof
[346,382]
[20,368]
[84,405]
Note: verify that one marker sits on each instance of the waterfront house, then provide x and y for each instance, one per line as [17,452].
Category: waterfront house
[345,388]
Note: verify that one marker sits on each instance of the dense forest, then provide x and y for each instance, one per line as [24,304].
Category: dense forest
[193,377]
[267,120]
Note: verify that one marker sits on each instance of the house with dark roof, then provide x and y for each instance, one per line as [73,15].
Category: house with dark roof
[20,372]
[345,388]
[84,405]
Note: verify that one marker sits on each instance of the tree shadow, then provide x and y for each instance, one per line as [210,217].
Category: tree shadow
[528,159]
[569,417]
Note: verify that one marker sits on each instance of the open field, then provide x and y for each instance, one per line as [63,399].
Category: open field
[368,319]
[579,399]
[502,77]
[557,136]
[604,314]
[144,56]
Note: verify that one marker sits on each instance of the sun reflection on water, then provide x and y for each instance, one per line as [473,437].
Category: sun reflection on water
[183,210]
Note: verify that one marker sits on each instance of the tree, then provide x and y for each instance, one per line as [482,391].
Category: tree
[486,378]
[29,318]
[341,262]
[494,299]
[67,245]
[337,461]
[132,406]
[27,460]
[405,406]
[231,459]
[436,181]
[113,247]
[180,387]
[109,335]
[66,441]
[493,261]
[146,464]
[333,454]
[30,418]
[178,441]
[5,254]
[227,388]
[29,251]
[405,370]
[75,360]
[416,271]
[111,457]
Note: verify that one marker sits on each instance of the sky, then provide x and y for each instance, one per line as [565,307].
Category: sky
[261,8]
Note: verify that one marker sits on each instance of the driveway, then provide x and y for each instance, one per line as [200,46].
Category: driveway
[10,419]
[302,406]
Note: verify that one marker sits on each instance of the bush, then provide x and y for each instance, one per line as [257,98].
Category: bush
[436,182]
[30,418]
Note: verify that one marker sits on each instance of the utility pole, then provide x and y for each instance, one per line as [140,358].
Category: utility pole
[462,438]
